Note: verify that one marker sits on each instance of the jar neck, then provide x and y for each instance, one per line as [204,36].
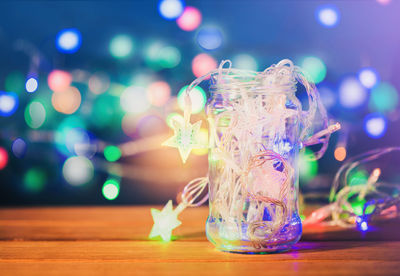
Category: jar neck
[252,84]
[250,90]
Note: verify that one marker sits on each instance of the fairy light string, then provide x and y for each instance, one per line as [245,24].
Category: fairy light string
[341,211]
[248,170]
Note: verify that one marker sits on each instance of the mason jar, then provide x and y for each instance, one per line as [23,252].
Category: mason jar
[254,142]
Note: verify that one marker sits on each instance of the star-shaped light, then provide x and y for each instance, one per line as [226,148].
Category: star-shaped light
[186,137]
[164,222]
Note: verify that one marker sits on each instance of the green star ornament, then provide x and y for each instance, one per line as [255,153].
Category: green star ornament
[164,222]
[185,137]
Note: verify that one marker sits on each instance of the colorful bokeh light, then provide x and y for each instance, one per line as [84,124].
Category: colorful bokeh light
[86,148]
[197,97]
[351,93]
[384,2]
[158,93]
[99,83]
[143,78]
[121,46]
[8,103]
[59,80]
[170,9]
[110,189]
[209,38]
[308,167]
[314,68]
[78,170]
[245,62]
[152,54]
[112,153]
[34,180]
[340,153]
[35,114]
[375,125]
[190,19]
[203,64]
[384,98]
[19,147]
[3,158]
[31,85]
[159,55]
[169,57]
[69,41]
[134,100]
[68,101]
[368,77]
[60,137]
[328,15]
[78,141]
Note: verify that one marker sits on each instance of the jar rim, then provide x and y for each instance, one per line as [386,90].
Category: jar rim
[255,89]
[253,82]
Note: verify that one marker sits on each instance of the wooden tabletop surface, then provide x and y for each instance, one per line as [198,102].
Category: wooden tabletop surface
[113,240]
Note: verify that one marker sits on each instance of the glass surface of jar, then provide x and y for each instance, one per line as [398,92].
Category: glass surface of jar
[255,129]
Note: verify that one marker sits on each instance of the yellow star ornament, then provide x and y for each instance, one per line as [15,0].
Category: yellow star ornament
[186,137]
[164,222]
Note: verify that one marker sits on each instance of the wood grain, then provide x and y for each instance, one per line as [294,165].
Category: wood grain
[113,240]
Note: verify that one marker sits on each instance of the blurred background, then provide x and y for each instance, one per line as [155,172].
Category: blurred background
[88,88]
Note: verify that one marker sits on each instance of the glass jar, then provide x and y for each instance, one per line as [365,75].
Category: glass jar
[255,129]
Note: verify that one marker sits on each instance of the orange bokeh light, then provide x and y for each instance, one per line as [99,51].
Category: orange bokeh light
[340,153]
[68,101]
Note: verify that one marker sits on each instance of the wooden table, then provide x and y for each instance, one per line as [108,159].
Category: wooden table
[113,240]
